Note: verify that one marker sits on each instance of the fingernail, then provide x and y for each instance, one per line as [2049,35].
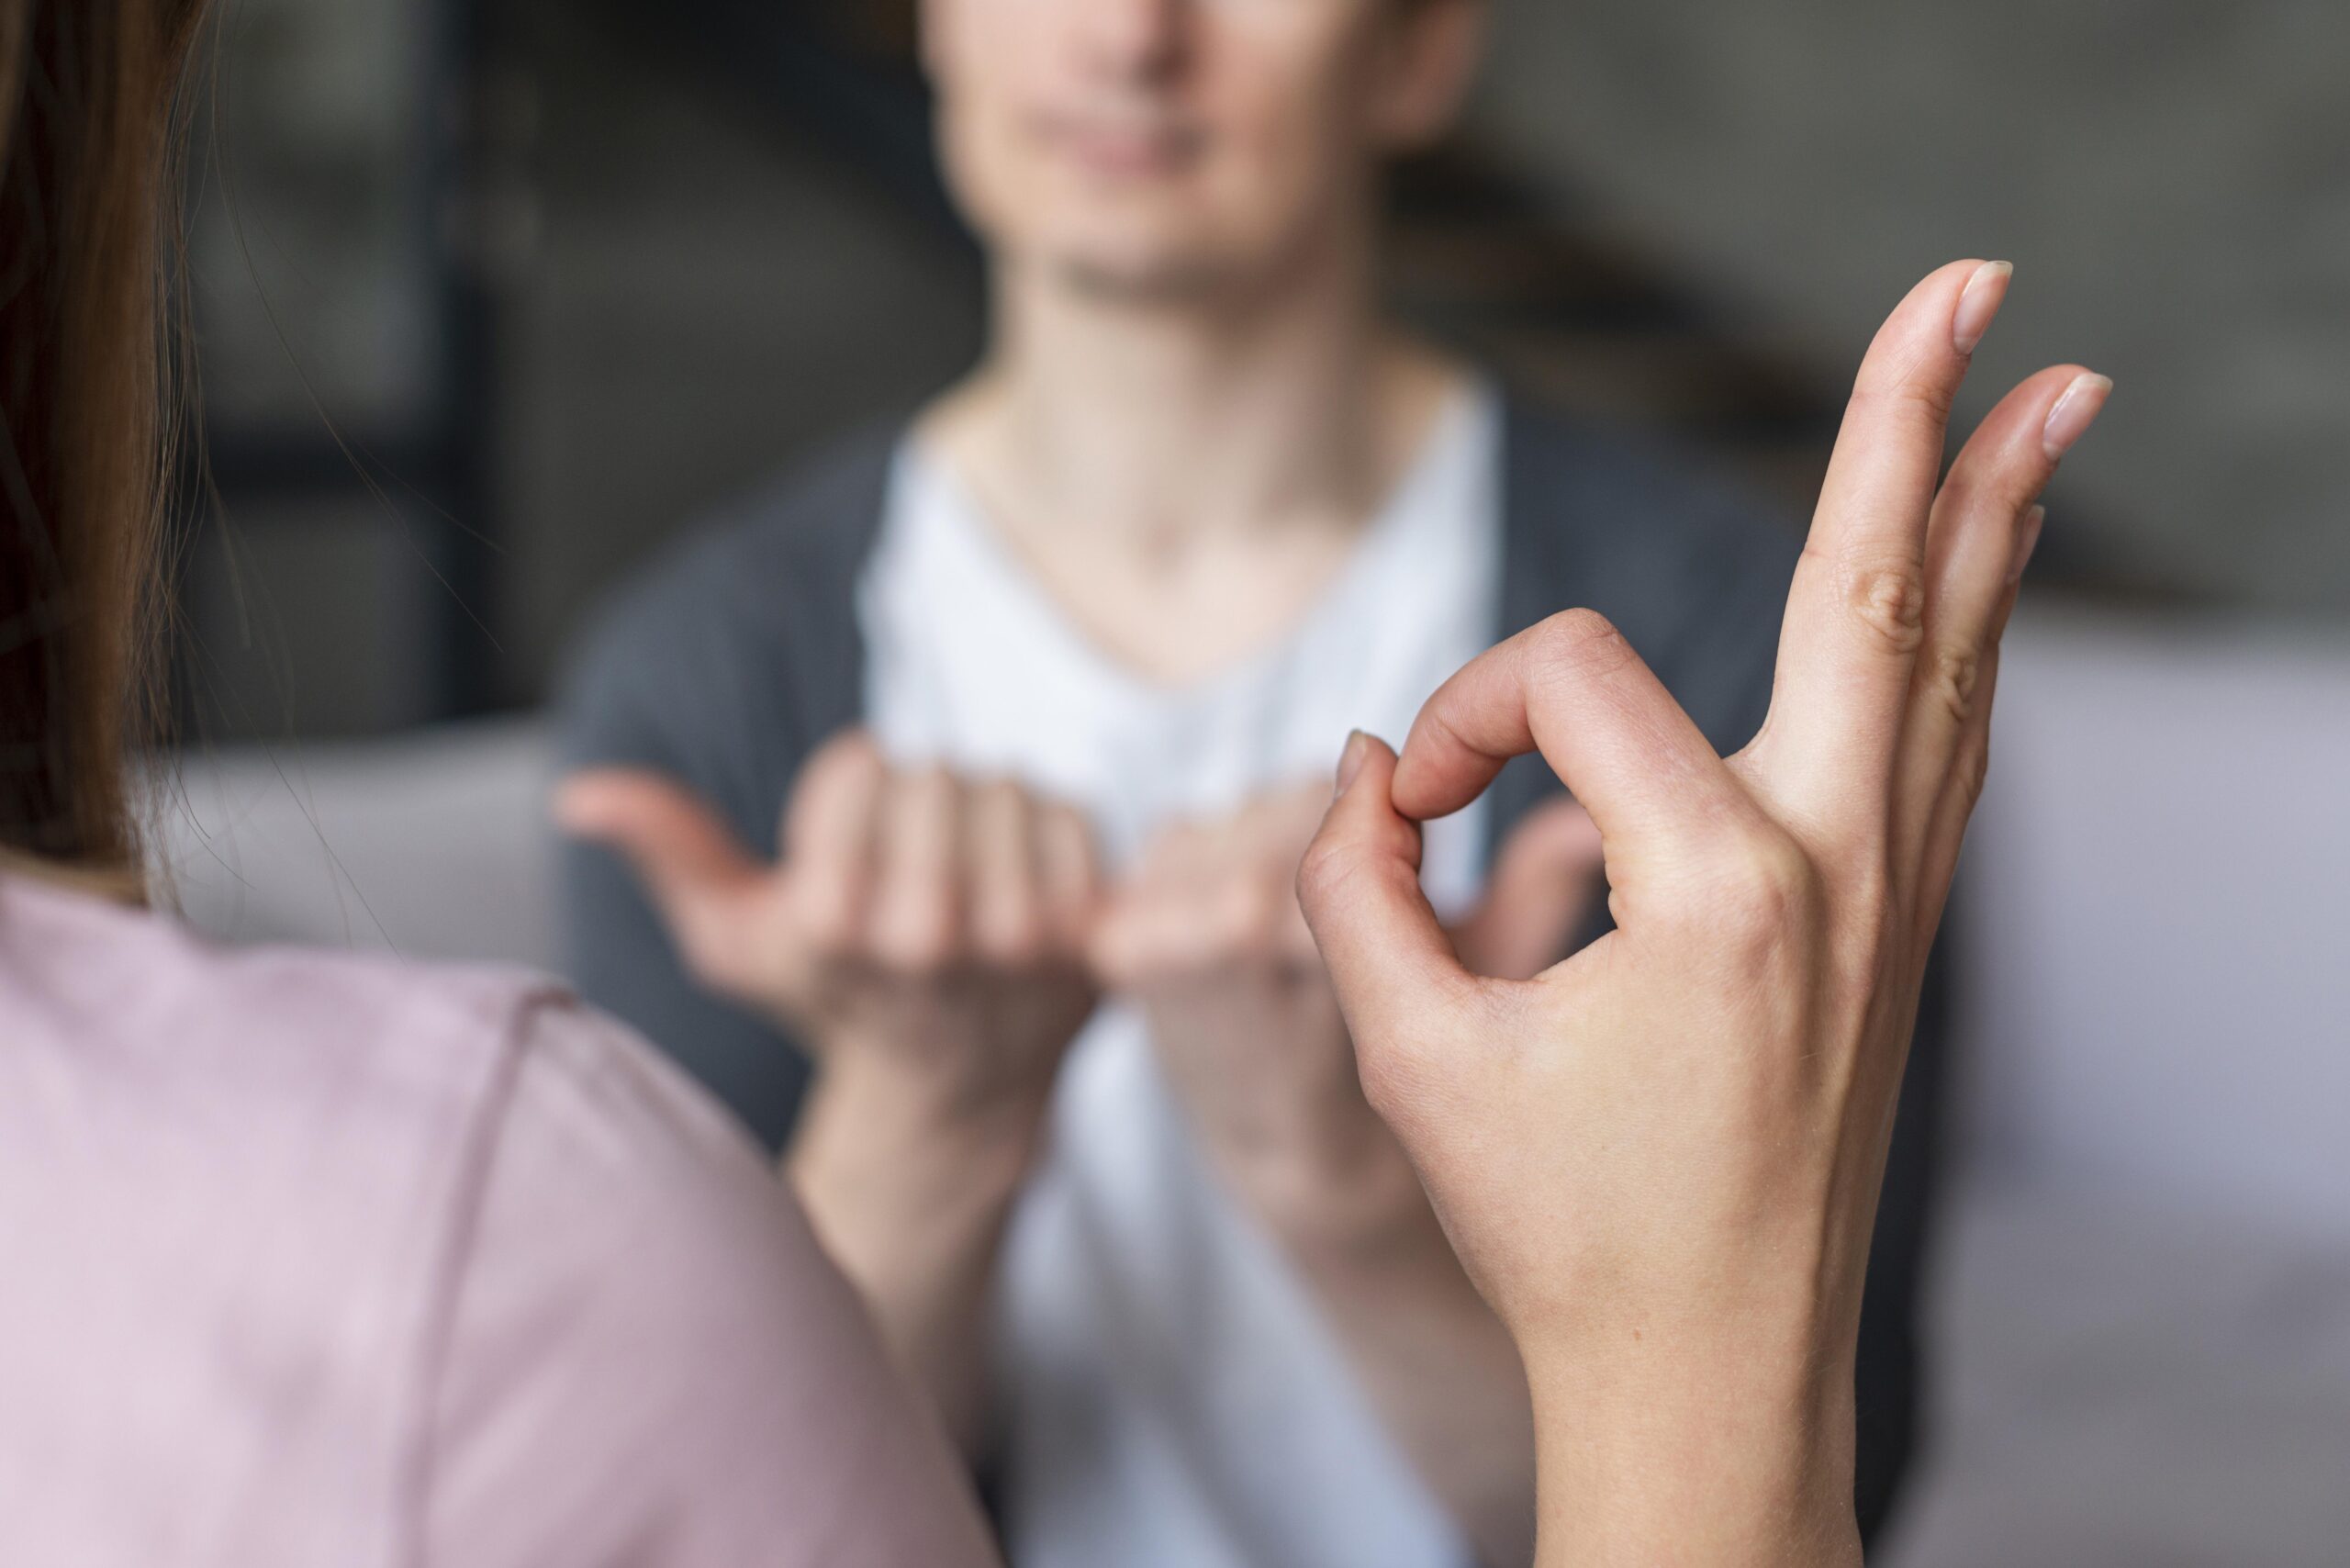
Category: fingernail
[1979,304]
[1350,759]
[2074,413]
[2026,542]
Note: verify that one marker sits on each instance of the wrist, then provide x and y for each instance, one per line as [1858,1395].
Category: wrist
[893,1139]
[958,1100]
[1653,1448]
[909,1184]
[1335,1184]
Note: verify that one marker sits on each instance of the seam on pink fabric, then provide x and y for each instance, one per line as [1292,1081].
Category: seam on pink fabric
[511,1013]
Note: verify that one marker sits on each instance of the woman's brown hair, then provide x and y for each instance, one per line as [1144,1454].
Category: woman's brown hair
[88,93]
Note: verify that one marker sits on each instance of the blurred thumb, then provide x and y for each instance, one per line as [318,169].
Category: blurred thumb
[709,889]
[1545,882]
[1360,886]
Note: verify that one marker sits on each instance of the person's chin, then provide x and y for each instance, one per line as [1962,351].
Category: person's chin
[1144,274]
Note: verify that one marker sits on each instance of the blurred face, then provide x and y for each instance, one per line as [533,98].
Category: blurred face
[1181,148]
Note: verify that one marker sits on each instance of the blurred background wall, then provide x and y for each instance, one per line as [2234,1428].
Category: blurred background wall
[565,275]
[2172,178]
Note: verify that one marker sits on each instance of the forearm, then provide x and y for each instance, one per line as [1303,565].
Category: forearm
[910,1190]
[1438,1367]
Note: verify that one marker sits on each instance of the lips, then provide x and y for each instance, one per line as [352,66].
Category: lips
[1124,150]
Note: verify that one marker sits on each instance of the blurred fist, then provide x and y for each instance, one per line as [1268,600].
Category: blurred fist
[934,919]
[1208,938]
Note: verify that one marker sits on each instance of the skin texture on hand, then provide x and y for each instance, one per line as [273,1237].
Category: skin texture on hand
[1660,1160]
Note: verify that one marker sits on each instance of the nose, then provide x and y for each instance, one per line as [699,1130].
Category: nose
[1133,39]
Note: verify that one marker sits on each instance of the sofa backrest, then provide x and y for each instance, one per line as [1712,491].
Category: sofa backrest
[2157,920]
[2155,948]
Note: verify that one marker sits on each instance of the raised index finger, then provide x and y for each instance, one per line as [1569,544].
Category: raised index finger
[1856,615]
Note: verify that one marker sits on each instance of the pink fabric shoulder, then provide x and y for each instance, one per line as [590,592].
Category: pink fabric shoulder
[314,1259]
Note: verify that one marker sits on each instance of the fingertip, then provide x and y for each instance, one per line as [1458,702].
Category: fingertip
[592,803]
[1940,321]
[1979,303]
[1952,280]
[2076,409]
[1364,749]
[573,805]
[849,764]
[855,746]
[1363,803]
[1438,772]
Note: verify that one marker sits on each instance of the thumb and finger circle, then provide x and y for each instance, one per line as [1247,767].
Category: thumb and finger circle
[1545,882]
[1867,599]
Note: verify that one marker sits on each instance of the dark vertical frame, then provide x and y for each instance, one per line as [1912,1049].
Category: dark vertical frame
[439,463]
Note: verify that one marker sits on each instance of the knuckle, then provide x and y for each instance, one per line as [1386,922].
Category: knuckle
[1889,598]
[1973,771]
[2004,489]
[1908,392]
[1767,889]
[1001,800]
[919,937]
[927,791]
[1394,1079]
[829,922]
[1014,937]
[1581,642]
[1952,681]
[1323,875]
[1411,1079]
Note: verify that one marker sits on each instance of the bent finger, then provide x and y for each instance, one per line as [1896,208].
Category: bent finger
[828,839]
[1389,961]
[1573,688]
[1072,875]
[919,903]
[1003,864]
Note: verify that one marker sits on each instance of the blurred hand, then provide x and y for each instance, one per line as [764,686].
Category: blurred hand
[934,924]
[1660,1160]
[1207,938]
[925,936]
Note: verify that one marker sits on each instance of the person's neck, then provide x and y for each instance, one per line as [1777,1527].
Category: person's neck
[1098,413]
